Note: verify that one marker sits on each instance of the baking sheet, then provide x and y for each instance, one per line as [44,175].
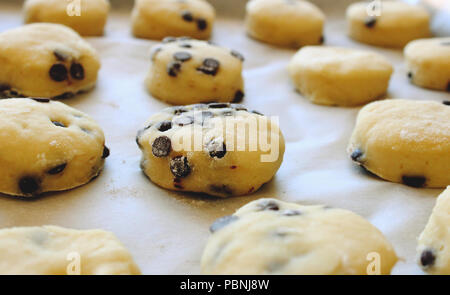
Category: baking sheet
[166,231]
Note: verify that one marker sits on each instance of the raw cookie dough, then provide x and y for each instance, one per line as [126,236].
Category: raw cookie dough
[398,24]
[428,63]
[290,23]
[340,76]
[404,141]
[268,236]
[47,146]
[46,60]
[156,19]
[185,71]
[88,19]
[52,250]
[219,149]
[434,242]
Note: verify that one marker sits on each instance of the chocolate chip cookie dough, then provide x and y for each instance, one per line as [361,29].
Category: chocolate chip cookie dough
[47,146]
[219,149]
[88,19]
[428,63]
[434,242]
[52,250]
[46,60]
[404,141]
[186,71]
[397,23]
[289,23]
[340,76]
[156,19]
[268,236]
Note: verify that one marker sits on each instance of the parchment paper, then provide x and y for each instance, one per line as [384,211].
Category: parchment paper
[166,231]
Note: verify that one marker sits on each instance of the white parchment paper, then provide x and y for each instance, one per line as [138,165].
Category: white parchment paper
[166,231]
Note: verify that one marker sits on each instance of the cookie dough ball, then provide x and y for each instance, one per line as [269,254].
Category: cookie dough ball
[434,242]
[289,23]
[47,146]
[186,71]
[52,250]
[46,60]
[428,63]
[404,141]
[340,76]
[268,236]
[219,149]
[398,23]
[88,19]
[156,19]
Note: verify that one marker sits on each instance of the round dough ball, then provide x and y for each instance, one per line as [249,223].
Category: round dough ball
[434,242]
[428,63]
[268,236]
[340,76]
[398,23]
[46,60]
[404,141]
[52,250]
[47,146]
[290,23]
[156,19]
[186,71]
[88,19]
[219,149]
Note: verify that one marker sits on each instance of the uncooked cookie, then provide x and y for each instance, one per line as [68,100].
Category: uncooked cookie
[290,23]
[52,250]
[434,242]
[340,76]
[156,19]
[404,141]
[398,23]
[268,236]
[47,146]
[88,19]
[218,149]
[428,63]
[185,71]
[46,60]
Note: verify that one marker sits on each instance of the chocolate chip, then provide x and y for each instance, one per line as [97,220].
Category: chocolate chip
[173,68]
[216,149]
[414,181]
[182,56]
[227,113]
[183,120]
[202,24]
[238,96]
[257,113]
[222,189]
[28,185]
[356,155]
[268,205]
[322,39]
[210,66]
[106,152]
[4,87]
[237,55]
[60,55]
[291,213]
[77,71]
[187,16]
[410,75]
[65,95]
[43,100]
[169,39]
[370,22]
[58,72]
[446,102]
[179,110]
[179,166]
[239,107]
[161,147]
[58,169]
[59,124]
[427,258]
[222,222]
[164,126]
[218,105]
[185,45]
